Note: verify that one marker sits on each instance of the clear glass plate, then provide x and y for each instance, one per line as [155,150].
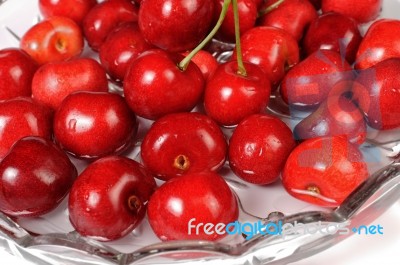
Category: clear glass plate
[50,239]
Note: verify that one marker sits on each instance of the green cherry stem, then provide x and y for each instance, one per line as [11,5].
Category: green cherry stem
[241,69]
[185,62]
[270,8]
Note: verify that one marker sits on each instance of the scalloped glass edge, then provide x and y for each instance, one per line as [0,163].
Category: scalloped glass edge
[363,206]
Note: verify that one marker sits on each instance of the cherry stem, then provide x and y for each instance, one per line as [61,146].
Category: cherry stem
[185,62]
[270,8]
[241,69]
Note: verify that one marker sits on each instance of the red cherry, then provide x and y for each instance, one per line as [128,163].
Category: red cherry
[377,91]
[73,9]
[104,17]
[122,46]
[16,72]
[108,199]
[175,25]
[20,117]
[36,176]
[183,143]
[247,16]
[316,3]
[230,97]
[54,81]
[362,11]
[53,39]
[273,49]
[309,83]
[205,61]
[381,42]
[203,196]
[294,16]
[336,32]
[324,170]
[155,86]
[259,147]
[94,124]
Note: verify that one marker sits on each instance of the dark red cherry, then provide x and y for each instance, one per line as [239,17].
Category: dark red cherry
[259,147]
[155,86]
[181,203]
[36,176]
[108,199]
[20,117]
[230,97]
[94,124]
[183,143]
[16,72]
[175,25]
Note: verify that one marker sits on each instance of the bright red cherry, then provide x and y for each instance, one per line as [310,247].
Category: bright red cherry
[230,97]
[108,199]
[273,49]
[52,82]
[324,170]
[104,17]
[377,91]
[336,32]
[36,176]
[20,117]
[192,199]
[259,147]
[155,86]
[294,16]
[53,39]
[175,25]
[16,72]
[381,42]
[247,16]
[183,143]
[73,9]
[362,11]
[206,62]
[310,82]
[94,124]
[123,45]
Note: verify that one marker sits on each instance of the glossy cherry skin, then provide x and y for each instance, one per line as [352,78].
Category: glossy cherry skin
[381,42]
[273,49]
[183,143]
[22,117]
[230,97]
[155,86]
[206,63]
[337,115]
[16,72]
[362,11]
[52,82]
[94,124]
[259,147]
[53,39]
[324,170]
[36,176]
[104,17]
[108,199]
[73,9]
[294,16]
[309,83]
[247,16]
[175,25]
[377,92]
[123,45]
[179,200]
[336,32]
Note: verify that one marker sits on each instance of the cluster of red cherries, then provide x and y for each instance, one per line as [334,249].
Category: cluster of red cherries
[56,103]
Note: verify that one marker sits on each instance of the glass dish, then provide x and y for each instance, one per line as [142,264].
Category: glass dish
[50,239]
